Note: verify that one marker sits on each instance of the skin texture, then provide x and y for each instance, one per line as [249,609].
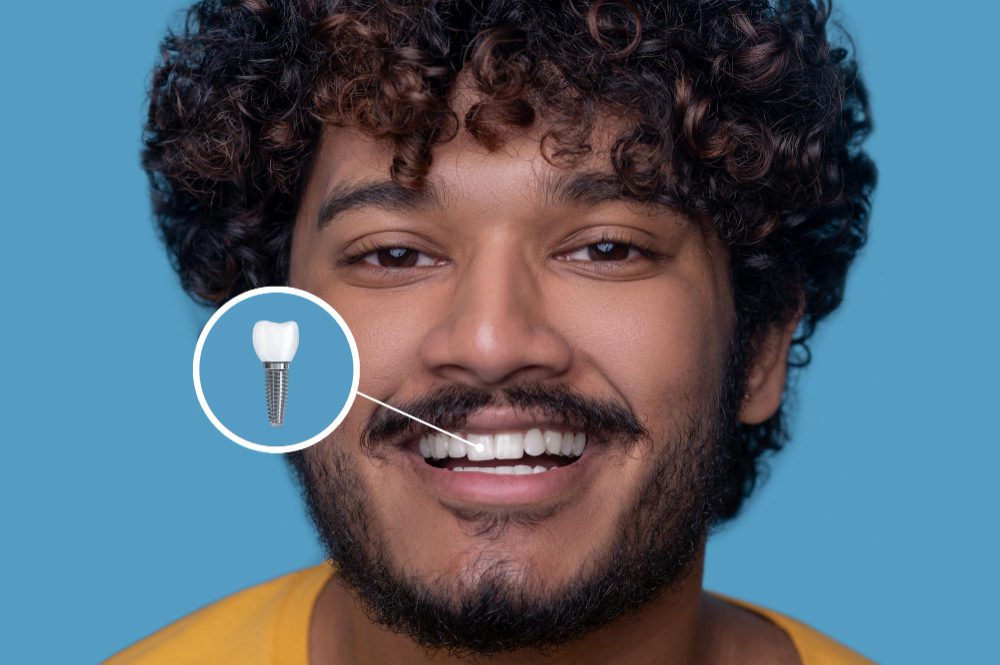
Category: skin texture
[506,292]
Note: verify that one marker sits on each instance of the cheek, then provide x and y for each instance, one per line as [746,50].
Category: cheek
[651,340]
[388,334]
[386,325]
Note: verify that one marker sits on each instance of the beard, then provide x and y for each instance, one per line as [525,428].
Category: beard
[658,536]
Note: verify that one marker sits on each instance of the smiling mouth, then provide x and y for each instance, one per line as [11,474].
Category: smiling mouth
[515,452]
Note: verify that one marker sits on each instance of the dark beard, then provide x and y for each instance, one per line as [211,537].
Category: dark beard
[659,535]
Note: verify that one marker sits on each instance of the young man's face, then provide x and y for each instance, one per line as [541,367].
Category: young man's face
[500,281]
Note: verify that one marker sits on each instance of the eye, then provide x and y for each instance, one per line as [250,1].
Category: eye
[398,257]
[605,250]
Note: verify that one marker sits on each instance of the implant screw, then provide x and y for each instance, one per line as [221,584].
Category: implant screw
[276,388]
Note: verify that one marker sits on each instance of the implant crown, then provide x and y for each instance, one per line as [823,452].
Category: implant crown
[275,342]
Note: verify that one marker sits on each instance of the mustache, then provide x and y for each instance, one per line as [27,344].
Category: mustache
[451,406]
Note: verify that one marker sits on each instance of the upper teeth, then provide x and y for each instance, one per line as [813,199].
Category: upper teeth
[505,445]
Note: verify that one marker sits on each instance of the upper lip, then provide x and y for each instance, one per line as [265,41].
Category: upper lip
[498,419]
[495,419]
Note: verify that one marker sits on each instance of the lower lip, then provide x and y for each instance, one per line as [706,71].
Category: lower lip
[471,487]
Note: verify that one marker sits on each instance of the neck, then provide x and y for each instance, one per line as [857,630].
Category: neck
[675,627]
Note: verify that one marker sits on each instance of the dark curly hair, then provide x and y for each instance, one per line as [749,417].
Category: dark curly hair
[738,113]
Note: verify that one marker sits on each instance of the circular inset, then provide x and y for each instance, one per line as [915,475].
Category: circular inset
[239,388]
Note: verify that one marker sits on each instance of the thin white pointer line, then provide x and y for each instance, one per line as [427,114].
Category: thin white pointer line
[477,446]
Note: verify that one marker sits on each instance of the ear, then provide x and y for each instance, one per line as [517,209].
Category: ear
[766,381]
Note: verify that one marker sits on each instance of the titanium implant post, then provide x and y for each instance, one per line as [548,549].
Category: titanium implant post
[276,391]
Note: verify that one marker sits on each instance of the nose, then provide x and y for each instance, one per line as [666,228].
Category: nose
[495,329]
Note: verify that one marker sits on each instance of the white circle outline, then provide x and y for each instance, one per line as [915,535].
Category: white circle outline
[292,447]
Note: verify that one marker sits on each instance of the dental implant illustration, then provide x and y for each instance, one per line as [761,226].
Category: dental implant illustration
[275,345]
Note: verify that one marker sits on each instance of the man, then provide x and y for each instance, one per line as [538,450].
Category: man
[591,236]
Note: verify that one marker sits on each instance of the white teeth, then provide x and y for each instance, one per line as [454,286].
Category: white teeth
[487,452]
[455,447]
[553,442]
[516,470]
[503,445]
[567,443]
[509,445]
[440,446]
[534,442]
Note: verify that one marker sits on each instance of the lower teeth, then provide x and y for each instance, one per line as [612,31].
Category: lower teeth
[518,470]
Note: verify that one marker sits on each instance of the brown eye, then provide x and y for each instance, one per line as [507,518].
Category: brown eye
[397,257]
[604,251]
[608,251]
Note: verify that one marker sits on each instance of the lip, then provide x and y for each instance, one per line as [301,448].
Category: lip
[471,488]
[497,419]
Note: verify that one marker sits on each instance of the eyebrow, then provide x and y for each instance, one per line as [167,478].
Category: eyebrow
[587,188]
[384,194]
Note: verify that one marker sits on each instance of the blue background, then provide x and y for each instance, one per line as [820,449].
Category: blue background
[319,376]
[124,509]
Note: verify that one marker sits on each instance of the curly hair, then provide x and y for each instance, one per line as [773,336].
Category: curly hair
[738,113]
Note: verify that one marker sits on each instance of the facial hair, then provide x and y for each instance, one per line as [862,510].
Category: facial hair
[652,548]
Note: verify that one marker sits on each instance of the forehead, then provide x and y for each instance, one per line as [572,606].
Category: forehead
[351,170]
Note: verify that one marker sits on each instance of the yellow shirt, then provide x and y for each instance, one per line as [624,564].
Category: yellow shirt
[268,624]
